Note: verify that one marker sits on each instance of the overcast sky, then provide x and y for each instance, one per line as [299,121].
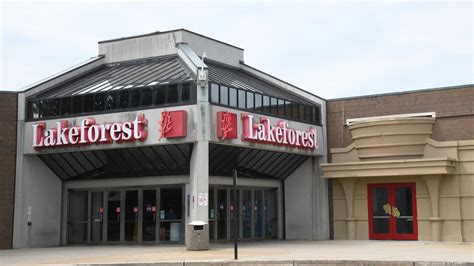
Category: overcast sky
[331,49]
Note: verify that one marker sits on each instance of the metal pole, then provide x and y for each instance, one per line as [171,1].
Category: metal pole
[236,215]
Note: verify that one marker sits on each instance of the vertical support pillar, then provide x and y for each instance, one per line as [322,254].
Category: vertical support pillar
[320,203]
[349,185]
[199,170]
[436,221]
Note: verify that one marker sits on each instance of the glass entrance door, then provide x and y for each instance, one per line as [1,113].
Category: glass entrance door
[222,214]
[171,214]
[246,211]
[97,216]
[131,215]
[77,216]
[257,213]
[149,215]
[114,210]
[392,211]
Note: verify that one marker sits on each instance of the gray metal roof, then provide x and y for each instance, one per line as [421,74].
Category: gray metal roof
[238,78]
[123,75]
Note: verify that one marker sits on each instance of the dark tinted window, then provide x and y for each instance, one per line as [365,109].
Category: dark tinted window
[308,113]
[111,101]
[99,102]
[66,106]
[146,97]
[54,108]
[233,97]
[214,93]
[266,103]
[33,109]
[88,103]
[295,110]
[173,93]
[274,105]
[242,99]
[224,95]
[288,109]
[135,98]
[250,100]
[77,104]
[185,92]
[46,108]
[301,112]
[281,107]
[317,118]
[258,101]
[124,99]
[160,95]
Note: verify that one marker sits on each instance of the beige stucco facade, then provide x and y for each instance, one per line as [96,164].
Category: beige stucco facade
[398,149]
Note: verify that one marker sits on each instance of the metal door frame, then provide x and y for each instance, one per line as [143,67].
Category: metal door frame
[392,234]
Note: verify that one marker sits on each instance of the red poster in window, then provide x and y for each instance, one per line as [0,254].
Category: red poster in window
[173,124]
[226,125]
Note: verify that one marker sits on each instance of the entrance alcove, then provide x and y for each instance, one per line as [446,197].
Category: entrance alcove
[389,152]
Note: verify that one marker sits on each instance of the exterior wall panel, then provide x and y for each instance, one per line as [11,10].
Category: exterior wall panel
[454,111]
[452,137]
[8,107]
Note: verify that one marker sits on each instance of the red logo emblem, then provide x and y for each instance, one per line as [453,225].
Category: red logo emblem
[226,125]
[173,124]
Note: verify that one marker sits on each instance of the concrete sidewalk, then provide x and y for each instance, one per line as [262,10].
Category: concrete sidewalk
[255,253]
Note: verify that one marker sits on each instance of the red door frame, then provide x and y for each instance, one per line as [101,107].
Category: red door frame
[392,235]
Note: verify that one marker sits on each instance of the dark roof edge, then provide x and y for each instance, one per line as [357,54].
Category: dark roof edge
[62,73]
[402,92]
[7,92]
[168,31]
[296,87]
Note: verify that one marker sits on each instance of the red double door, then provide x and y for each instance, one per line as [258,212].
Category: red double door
[392,211]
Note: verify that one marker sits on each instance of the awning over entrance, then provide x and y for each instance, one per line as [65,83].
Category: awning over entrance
[128,162]
[252,162]
[408,167]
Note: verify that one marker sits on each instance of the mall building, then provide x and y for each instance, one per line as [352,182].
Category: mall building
[138,146]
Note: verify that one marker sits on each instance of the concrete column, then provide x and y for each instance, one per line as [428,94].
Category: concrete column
[199,181]
[436,221]
[320,201]
[349,185]
[199,172]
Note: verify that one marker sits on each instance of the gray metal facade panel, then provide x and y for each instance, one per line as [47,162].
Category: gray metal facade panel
[237,78]
[123,75]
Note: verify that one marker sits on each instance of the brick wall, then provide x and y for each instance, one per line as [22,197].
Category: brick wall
[8,118]
[454,109]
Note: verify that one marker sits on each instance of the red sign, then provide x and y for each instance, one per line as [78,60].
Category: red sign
[117,209]
[279,134]
[101,210]
[153,208]
[173,124]
[226,125]
[135,209]
[88,132]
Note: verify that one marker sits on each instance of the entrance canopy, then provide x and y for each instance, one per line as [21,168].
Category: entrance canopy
[127,162]
[252,162]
